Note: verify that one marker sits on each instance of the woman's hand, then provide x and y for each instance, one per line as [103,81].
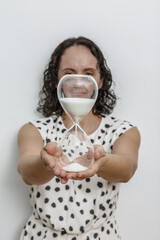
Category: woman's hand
[51,153]
[99,153]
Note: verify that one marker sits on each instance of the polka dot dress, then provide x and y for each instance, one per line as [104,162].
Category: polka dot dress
[77,210]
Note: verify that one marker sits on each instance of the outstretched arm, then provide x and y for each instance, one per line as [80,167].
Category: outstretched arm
[120,165]
[36,161]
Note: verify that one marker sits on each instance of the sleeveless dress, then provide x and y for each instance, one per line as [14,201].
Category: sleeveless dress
[77,210]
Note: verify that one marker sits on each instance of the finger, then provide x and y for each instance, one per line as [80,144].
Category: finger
[64,180]
[51,148]
[98,152]
[47,160]
[88,173]
[58,152]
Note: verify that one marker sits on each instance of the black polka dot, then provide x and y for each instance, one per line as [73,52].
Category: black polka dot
[60,218]
[80,186]
[38,195]
[100,185]
[81,211]
[55,235]
[25,233]
[108,232]
[92,211]
[72,215]
[87,221]
[39,233]
[78,204]
[47,188]
[67,187]
[46,200]
[110,205]
[95,235]
[102,229]
[113,187]
[65,207]
[60,199]
[71,199]
[34,226]
[40,210]
[88,179]
[58,180]
[57,189]
[111,213]
[111,225]
[84,200]
[70,228]
[88,190]
[48,121]
[102,207]
[63,231]
[102,193]
[48,140]
[53,205]
[82,229]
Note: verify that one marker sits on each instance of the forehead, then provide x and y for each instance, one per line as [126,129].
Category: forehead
[78,55]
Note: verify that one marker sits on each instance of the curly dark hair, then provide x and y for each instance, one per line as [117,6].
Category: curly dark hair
[49,104]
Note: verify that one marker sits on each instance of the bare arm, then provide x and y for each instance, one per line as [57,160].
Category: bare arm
[121,165]
[118,166]
[30,165]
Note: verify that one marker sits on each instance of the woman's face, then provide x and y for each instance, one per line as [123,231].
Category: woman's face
[79,60]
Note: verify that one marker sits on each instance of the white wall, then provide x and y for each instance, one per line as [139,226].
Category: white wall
[128,32]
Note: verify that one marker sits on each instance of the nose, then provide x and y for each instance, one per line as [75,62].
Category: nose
[79,82]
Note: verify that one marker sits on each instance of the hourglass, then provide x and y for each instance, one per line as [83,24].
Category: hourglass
[77,95]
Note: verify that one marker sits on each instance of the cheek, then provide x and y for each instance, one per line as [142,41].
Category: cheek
[100,83]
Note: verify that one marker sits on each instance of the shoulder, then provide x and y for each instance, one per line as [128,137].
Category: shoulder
[47,121]
[116,124]
[117,127]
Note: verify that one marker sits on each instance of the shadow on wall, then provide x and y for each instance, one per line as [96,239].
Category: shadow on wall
[18,192]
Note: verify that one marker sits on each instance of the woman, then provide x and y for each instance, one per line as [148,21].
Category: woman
[70,205]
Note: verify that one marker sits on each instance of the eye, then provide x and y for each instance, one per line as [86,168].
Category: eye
[89,73]
[68,73]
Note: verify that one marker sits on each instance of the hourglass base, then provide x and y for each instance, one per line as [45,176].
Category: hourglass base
[77,151]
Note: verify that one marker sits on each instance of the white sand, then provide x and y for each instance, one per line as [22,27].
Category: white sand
[74,167]
[77,107]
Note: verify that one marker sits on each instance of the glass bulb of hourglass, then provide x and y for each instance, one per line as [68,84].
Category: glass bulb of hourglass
[77,95]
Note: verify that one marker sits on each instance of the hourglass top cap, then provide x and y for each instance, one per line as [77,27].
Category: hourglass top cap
[76,85]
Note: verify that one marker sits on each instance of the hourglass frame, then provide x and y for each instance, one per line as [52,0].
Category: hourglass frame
[73,94]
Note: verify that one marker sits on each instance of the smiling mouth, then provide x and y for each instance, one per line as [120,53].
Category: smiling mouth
[79,92]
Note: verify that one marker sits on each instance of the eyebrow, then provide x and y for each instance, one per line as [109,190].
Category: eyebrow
[85,69]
